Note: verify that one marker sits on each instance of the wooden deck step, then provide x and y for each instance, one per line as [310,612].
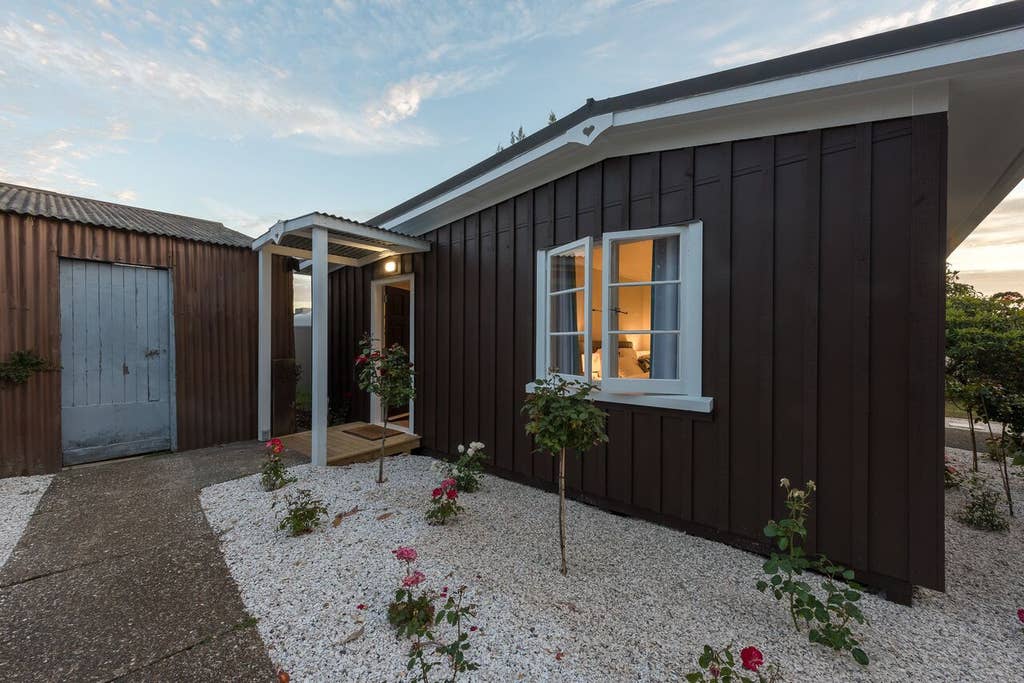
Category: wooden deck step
[344,448]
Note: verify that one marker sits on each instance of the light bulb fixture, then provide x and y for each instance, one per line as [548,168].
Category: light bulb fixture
[390,266]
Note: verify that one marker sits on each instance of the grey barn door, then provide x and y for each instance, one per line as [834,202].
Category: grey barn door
[116,347]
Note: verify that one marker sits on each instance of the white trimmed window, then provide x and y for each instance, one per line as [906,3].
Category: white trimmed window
[625,313]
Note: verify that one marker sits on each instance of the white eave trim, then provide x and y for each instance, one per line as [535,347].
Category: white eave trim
[856,75]
[346,233]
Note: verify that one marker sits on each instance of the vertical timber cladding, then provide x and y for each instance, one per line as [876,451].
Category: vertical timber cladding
[215,310]
[823,296]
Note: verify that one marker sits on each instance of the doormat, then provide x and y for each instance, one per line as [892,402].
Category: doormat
[372,432]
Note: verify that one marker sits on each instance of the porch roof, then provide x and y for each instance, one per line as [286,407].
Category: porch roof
[349,242]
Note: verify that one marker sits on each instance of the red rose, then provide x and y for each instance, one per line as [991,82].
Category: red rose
[1020,615]
[472,628]
[436,493]
[360,359]
[752,658]
[360,606]
[452,494]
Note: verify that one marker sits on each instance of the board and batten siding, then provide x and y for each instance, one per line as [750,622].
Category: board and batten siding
[822,339]
[215,328]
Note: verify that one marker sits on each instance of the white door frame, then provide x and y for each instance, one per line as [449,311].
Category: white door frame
[377,331]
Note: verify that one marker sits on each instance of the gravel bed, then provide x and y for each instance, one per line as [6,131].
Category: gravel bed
[638,604]
[18,499]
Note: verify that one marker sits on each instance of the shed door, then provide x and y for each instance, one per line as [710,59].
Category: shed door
[117,396]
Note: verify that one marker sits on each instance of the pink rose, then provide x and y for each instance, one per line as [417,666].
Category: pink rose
[448,483]
[404,553]
[752,658]
[414,579]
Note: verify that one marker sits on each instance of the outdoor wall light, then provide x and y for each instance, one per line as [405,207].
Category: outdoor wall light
[390,266]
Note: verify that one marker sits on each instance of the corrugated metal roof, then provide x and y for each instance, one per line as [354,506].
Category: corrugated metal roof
[31,201]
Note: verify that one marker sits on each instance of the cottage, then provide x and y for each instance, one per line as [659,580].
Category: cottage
[148,320]
[749,264]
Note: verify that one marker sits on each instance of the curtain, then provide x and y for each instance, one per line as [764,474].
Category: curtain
[665,309]
[566,356]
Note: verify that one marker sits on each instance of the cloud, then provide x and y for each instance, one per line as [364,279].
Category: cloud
[235,218]
[403,99]
[235,98]
[198,42]
[737,53]
[52,160]
[997,245]
[126,195]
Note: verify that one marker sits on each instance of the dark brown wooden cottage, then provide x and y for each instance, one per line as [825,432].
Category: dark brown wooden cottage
[750,264]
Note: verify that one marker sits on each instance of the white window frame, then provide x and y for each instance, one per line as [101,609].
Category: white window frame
[544,294]
[689,314]
[684,393]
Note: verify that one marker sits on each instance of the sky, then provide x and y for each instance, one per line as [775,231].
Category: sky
[247,112]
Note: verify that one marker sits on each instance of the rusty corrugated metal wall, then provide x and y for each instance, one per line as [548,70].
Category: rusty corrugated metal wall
[215,321]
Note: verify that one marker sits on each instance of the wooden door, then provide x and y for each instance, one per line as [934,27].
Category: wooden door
[117,390]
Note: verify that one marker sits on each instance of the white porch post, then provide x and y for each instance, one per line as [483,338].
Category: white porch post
[319,315]
[263,357]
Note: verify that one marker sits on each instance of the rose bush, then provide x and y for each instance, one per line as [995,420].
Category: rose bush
[827,620]
[414,613]
[444,503]
[720,665]
[466,470]
[273,473]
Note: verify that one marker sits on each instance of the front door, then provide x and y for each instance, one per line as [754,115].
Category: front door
[396,331]
[117,396]
[392,322]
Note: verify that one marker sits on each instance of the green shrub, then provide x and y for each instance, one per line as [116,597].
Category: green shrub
[21,365]
[984,506]
[304,513]
[562,415]
[828,621]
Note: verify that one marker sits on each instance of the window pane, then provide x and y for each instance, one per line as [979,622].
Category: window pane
[644,307]
[645,260]
[568,312]
[644,356]
[567,270]
[567,354]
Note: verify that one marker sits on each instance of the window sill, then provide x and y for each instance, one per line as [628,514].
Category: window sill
[693,404]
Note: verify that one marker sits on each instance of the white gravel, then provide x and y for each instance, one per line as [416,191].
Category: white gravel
[18,499]
[639,602]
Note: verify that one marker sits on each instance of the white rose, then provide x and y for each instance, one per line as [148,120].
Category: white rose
[462,449]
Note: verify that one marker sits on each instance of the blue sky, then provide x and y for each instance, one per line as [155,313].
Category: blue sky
[247,112]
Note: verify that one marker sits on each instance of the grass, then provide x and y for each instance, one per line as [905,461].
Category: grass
[954,411]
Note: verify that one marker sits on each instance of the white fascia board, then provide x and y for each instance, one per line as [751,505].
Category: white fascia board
[344,228]
[854,78]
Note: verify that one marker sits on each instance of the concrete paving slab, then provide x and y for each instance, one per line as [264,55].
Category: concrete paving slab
[118,575]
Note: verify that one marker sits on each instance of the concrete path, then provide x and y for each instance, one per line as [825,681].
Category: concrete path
[119,577]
